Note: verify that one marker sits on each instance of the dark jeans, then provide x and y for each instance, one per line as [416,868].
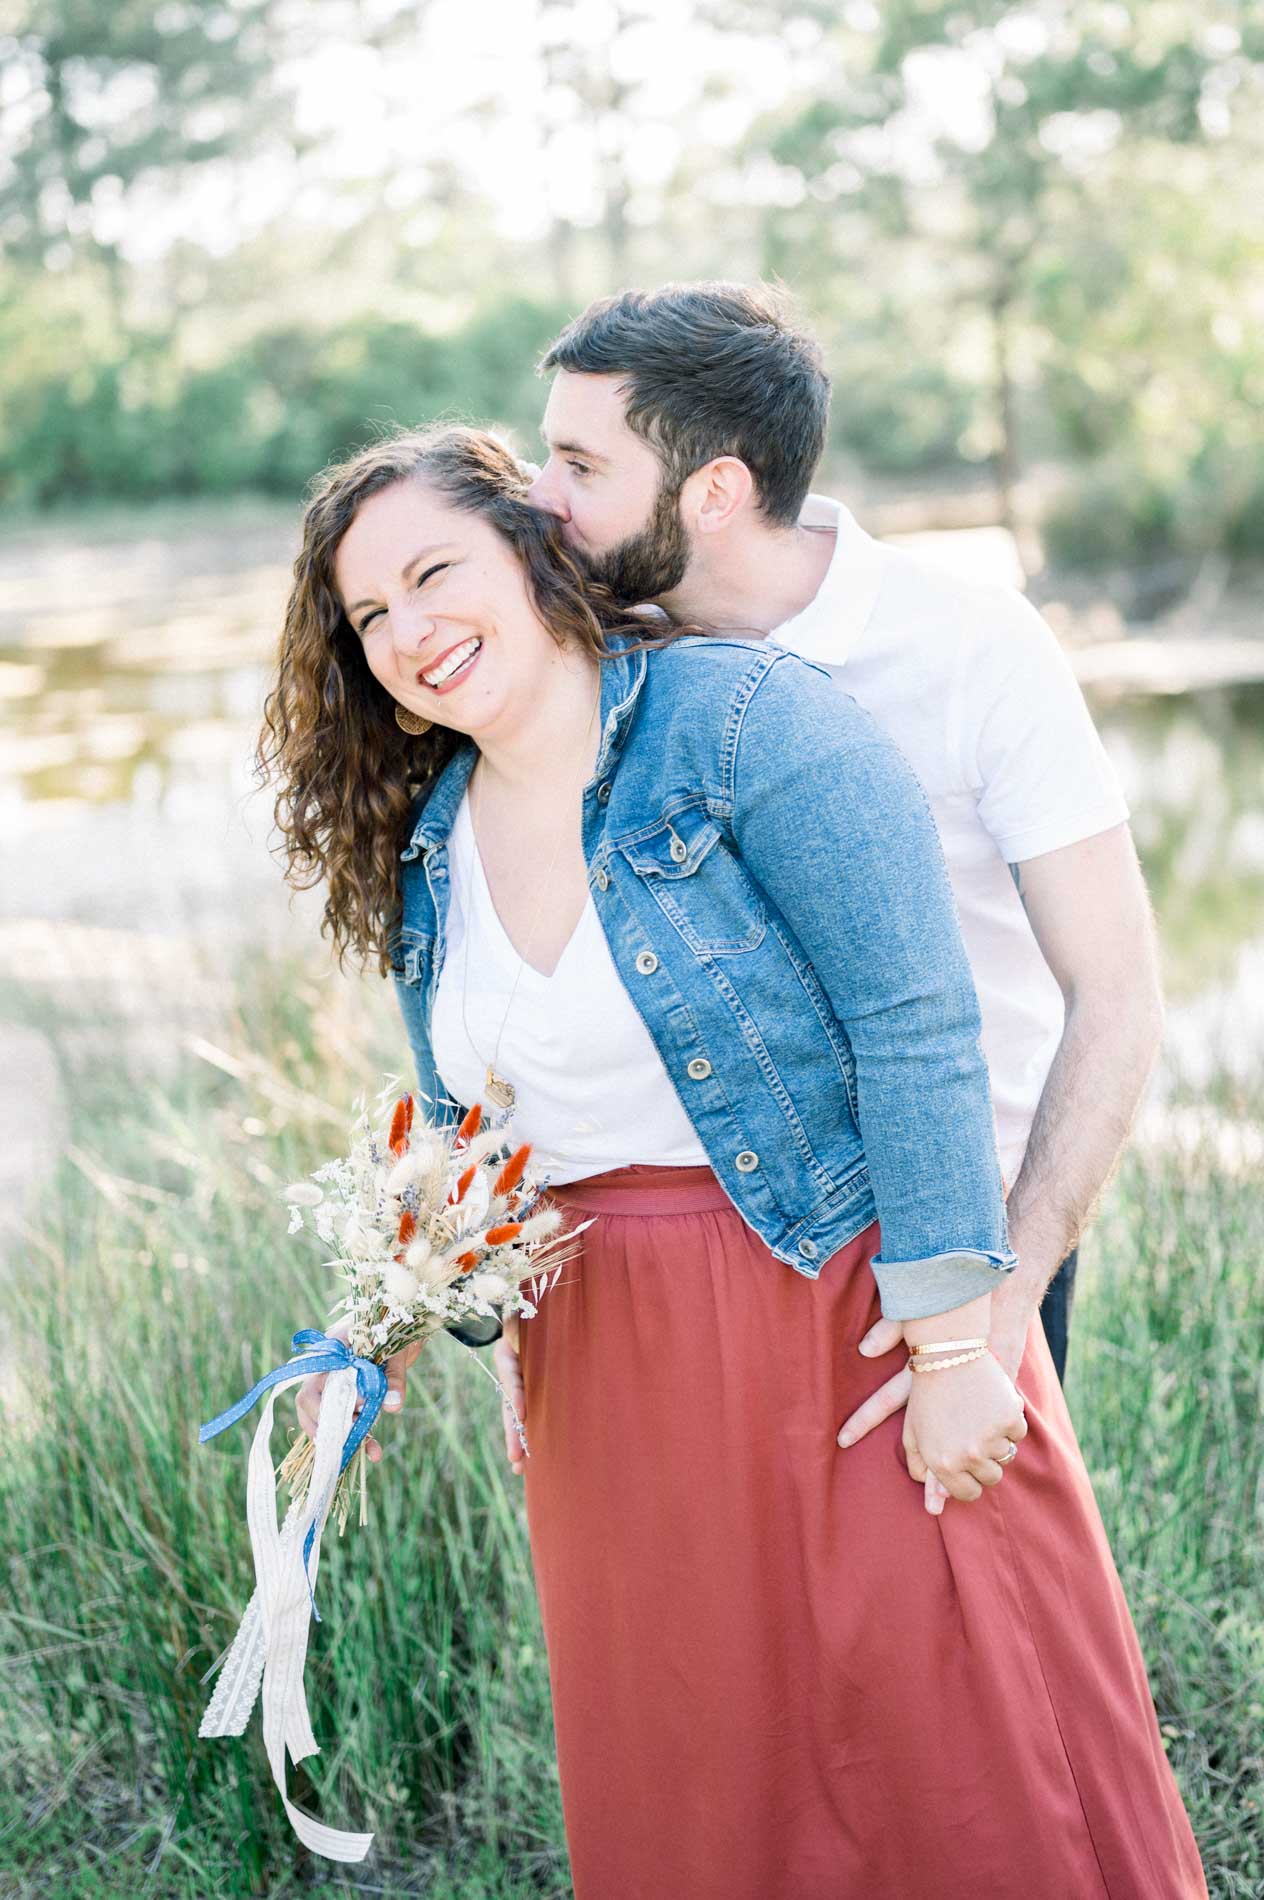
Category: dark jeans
[1055,1310]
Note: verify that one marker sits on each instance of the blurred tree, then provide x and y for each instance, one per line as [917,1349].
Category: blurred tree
[584,90]
[100,99]
[967,133]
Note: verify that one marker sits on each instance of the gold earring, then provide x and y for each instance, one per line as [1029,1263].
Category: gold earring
[410,721]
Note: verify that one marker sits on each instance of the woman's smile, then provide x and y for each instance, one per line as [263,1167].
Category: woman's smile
[453,666]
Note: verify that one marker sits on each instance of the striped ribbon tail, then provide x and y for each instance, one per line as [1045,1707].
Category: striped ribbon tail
[269,1651]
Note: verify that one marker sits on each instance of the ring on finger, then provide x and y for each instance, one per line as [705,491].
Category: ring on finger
[1009,1456]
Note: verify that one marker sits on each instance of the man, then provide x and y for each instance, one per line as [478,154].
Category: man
[683,429]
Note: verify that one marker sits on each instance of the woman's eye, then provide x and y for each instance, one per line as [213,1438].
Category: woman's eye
[580,468]
[368,620]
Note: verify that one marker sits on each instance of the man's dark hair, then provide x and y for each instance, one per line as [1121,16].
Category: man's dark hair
[711,369]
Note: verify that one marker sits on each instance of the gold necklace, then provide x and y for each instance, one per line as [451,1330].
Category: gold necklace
[495,1086]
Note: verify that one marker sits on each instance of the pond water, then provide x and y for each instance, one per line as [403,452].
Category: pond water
[132,669]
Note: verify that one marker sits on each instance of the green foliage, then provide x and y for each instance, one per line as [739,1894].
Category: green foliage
[1164,1384]
[162,1285]
[114,96]
[1059,206]
[130,424]
[124,1549]
[1120,511]
[899,418]
[1025,234]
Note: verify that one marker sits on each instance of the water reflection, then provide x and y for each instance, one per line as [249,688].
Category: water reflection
[131,678]
[1192,766]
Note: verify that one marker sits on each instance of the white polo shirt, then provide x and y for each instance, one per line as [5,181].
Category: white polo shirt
[973,687]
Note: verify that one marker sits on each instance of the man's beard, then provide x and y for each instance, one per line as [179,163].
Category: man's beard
[646,565]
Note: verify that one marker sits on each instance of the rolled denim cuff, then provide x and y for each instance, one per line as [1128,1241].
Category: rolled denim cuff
[914,1289]
[477,1329]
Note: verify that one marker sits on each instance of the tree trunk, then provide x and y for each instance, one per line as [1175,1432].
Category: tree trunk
[1006,458]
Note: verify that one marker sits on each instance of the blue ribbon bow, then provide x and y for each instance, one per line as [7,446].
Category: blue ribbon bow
[320,1353]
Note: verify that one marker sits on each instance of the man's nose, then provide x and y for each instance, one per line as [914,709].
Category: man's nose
[543,493]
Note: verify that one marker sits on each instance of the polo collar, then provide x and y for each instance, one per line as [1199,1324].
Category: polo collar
[831,625]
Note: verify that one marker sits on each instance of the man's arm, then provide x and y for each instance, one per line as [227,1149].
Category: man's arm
[1090,914]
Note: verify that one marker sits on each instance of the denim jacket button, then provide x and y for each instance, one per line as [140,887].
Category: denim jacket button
[746,1161]
[603,793]
[679,850]
[647,963]
[809,1249]
[601,880]
[699,1069]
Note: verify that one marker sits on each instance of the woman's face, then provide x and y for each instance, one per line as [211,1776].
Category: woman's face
[441,606]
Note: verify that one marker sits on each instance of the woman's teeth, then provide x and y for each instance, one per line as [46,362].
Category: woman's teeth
[452,663]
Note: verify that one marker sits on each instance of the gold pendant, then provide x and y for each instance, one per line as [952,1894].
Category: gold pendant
[497,1090]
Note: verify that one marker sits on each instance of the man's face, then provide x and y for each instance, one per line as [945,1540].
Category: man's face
[606,485]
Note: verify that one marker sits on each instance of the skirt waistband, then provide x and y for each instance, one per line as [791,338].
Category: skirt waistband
[645,1189]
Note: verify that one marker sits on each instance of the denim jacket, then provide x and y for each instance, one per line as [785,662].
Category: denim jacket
[771,886]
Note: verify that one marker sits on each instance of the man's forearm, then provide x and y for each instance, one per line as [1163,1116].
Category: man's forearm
[1082,1121]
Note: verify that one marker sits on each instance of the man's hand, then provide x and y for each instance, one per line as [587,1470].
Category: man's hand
[509,1371]
[1007,1337]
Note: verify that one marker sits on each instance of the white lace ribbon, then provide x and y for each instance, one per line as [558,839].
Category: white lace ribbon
[270,1646]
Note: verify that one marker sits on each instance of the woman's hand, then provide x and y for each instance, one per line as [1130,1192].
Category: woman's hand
[309,1393]
[957,1422]
[509,1371]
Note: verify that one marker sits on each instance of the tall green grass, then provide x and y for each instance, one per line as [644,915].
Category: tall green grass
[157,1283]
[1165,1384]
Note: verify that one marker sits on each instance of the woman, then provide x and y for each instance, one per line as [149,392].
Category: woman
[684,906]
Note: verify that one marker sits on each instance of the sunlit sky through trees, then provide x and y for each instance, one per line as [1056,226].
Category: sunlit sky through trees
[391,104]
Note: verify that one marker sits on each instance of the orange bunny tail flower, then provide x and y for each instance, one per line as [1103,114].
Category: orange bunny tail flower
[401,1122]
[497,1236]
[407,1227]
[466,1261]
[462,1187]
[471,1125]
[513,1170]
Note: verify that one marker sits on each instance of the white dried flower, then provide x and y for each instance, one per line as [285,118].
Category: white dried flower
[434,1272]
[358,1241]
[489,1286]
[296,1220]
[303,1194]
[419,1251]
[402,1176]
[541,1225]
[489,1142]
[399,1283]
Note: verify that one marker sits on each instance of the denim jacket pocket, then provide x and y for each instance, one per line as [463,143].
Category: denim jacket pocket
[415,952]
[698,884]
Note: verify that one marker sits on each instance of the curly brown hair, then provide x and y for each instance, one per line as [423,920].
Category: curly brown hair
[348,778]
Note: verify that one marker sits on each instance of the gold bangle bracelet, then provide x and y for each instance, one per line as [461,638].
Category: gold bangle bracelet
[942,1365]
[946,1345]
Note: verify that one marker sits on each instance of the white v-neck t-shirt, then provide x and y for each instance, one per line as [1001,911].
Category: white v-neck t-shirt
[591,1092]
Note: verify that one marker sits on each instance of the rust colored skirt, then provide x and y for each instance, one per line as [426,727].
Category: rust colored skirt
[775,1675]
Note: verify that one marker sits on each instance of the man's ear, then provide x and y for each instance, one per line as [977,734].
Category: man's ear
[716,494]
